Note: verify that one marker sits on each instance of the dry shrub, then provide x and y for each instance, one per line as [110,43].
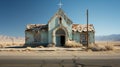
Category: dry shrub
[40,47]
[8,44]
[2,46]
[96,47]
[28,49]
[73,44]
[51,45]
[109,47]
[21,44]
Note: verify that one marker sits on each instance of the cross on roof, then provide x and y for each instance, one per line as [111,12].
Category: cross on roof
[60,4]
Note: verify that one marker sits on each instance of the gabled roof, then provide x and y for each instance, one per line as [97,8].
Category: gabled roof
[82,28]
[61,13]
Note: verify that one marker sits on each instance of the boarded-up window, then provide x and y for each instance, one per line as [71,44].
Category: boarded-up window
[84,38]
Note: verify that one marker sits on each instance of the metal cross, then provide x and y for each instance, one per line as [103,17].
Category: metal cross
[60,4]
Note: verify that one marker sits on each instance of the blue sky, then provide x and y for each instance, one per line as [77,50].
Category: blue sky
[16,14]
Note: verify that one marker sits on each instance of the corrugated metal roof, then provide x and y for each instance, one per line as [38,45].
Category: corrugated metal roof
[82,27]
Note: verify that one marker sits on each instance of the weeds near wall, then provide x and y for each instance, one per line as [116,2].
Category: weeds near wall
[72,44]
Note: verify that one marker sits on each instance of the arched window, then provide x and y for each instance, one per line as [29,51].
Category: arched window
[60,19]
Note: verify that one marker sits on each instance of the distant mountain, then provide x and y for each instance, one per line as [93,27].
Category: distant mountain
[5,38]
[113,37]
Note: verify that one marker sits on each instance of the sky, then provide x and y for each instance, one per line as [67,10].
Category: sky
[16,14]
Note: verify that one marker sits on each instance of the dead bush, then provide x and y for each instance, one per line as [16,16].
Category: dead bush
[2,46]
[51,45]
[96,47]
[109,47]
[40,46]
[73,44]
[28,49]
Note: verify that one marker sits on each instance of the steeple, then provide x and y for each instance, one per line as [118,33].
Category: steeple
[60,13]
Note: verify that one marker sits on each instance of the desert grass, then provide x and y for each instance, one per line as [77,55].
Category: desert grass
[103,46]
[10,44]
[7,41]
[72,44]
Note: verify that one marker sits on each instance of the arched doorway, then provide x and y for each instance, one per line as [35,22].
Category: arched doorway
[60,37]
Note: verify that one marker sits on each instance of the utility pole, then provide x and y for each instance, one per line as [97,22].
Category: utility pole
[87,30]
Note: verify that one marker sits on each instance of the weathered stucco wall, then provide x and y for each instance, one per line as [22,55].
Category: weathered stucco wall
[44,37]
[81,37]
[91,37]
[40,39]
[29,38]
[54,24]
[76,36]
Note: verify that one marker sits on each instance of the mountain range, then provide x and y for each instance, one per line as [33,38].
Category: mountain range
[113,37]
[5,38]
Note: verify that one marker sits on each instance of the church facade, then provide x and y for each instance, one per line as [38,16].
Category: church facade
[58,31]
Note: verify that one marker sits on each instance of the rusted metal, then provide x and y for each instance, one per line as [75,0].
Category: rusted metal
[82,28]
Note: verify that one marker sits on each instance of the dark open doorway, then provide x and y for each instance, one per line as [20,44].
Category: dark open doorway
[60,37]
[62,40]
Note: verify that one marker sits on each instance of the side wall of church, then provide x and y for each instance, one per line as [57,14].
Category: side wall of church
[44,38]
[91,37]
[36,39]
[80,37]
[29,38]
[76,37]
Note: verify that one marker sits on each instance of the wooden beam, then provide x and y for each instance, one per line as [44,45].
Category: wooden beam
[87,30]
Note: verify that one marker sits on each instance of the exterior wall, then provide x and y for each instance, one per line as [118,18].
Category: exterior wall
[91,37]
[54,25]
[68,26]
[76,37]
[79,37]
[44,38]
[29,38]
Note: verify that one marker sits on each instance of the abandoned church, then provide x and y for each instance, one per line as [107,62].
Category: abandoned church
[58,31]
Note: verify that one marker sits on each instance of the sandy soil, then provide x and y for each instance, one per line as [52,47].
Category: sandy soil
[19,52]
[60,53]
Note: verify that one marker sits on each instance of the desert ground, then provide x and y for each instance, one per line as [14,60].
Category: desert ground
[59,56]
[58,51]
